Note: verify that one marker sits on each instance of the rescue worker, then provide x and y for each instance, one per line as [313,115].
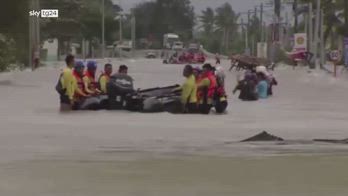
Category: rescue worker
[220,98]
[217,59]
[272,82]
[90,84]
[105,78]
[123,69]
[206,89]
[65,86]
[79,94]
[197,73]
[262,86]
[247,86]
[189,91]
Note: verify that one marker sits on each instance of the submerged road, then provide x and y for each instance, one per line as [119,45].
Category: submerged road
[34,135]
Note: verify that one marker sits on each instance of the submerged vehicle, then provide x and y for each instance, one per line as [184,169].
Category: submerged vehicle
[186,57]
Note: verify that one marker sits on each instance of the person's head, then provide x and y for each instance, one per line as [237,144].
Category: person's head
[108,69]
[123,69]
[91,67]
[79,68]
[188,71]
[197,71]
[261,76]
[70,60]
[207,68]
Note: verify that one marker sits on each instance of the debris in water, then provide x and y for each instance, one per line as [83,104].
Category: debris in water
[345,141]
[263,137]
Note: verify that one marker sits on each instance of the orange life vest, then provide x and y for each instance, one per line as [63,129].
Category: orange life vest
[208,92]
[80,83]
[93,84]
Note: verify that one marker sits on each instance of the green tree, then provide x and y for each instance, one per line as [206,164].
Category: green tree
[226,22]
[80,19]
[335,16]
[143,13]
[208,21]
[14,30]
[175,16]
[64,28]
[90,20]
[154,19]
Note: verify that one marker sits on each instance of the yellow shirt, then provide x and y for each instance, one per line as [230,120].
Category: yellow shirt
[103,80]
[205,83]
[189,90]
[87,82]
[68,82]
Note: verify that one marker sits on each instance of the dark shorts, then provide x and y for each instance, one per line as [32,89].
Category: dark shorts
[221,106]
[191,108]
[64,99]
[204,108]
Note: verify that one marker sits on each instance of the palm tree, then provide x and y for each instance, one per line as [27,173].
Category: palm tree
[226,22]
[334,14]
[208,21]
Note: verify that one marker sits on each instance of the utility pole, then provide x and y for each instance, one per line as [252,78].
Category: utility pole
[245,31]
[245,39]
[247,34]
[322,42]
[316,33]
[133,24]
[121,36]
[295,15]
[310,27]
[121,30]
[265,32]
[346,17]
[30,61]
[261,22]
[255,36]
[34,34]
[103,28]
[277,6]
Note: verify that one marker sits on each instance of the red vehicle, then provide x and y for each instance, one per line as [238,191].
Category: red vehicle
[199,58]
[187,57]
[298,56]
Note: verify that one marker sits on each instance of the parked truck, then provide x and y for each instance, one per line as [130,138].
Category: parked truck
[169,40]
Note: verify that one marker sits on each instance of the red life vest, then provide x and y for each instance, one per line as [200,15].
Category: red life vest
[220,91]
[199,92]
[212,86]
[210,91]
[80,83]
[93,84]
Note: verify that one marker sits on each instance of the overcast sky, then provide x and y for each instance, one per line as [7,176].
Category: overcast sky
[238,5]
[199,5]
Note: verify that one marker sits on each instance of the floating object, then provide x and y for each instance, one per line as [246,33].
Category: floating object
[263,137]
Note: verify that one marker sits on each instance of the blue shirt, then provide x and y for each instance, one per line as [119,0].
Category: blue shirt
[262,89]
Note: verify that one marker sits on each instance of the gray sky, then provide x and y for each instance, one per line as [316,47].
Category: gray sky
[199,5]
[238,5]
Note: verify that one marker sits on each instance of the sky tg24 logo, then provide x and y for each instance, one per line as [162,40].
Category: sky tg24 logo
[46,13]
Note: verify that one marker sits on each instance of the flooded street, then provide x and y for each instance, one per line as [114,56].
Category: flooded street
[43,152]
[271,176]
